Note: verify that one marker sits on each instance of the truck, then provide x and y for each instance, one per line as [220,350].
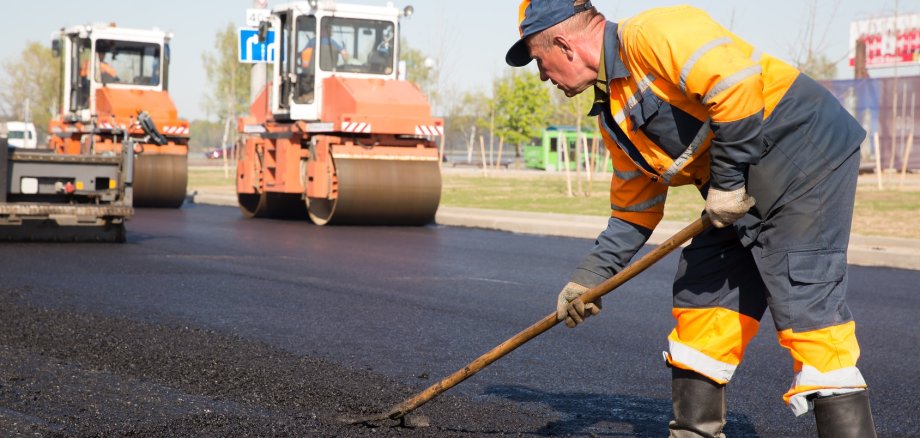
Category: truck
[47,196]
[21,135]
[112,75]
[336,135]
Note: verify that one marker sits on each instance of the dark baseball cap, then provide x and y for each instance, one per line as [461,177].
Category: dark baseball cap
[535,16]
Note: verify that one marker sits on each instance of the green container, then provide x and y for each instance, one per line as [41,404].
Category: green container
[548,156]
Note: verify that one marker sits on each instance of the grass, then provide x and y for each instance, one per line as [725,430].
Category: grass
[211,177]
[548,193]
[889,212]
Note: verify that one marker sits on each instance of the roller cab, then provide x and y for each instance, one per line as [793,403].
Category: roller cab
[115,87]
[336,136]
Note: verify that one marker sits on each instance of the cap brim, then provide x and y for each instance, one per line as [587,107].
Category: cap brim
[518,55]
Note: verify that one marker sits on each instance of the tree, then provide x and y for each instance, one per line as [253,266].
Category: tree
[229,95]
[206,134]
[573,110]
[818,67]
[522,107]
[467,115]
[808,54]
[34,78]
[420,69]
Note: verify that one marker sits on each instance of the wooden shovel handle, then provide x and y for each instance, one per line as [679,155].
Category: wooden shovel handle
[549,321]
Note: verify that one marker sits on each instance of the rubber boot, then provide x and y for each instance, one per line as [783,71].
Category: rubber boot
[844,416]
[699,406]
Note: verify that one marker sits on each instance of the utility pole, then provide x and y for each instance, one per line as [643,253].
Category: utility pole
[27,110]
[859,66]
[257,78]
[894,90]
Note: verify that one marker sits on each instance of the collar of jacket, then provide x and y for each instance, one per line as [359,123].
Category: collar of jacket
[612,68]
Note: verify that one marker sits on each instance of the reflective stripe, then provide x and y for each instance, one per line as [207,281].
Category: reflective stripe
[756,55]
[681,354]
[810,380]
[728,82]
[642,206]
[691,62]
[627,175]
[701,136]
[840,378]
[633,100]
[643,85]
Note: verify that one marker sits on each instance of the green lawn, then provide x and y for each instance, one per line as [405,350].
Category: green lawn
[210,177]
[889,212]
[548,193]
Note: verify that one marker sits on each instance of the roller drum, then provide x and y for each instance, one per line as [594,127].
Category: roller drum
[272,205]
[381,192]
[160,180]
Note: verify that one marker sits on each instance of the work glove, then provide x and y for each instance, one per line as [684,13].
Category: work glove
[571,309]
[726,207]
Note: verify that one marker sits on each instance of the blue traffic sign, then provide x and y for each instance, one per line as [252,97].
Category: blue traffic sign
[253,51]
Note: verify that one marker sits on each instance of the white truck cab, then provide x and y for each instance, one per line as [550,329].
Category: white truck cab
[22,135]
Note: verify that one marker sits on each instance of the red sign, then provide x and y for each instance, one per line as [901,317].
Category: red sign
[889,41]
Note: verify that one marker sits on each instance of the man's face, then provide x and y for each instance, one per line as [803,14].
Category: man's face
[563,68]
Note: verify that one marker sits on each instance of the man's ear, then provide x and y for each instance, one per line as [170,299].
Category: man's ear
[564,44]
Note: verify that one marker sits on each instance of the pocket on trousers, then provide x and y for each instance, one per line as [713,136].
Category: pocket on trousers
[813,267]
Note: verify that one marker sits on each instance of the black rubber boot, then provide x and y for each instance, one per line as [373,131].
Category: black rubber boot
[844,416]
[699,406]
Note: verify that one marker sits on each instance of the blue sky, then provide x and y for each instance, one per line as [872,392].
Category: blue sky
[468,37]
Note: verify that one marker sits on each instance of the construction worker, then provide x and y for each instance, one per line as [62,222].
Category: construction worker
[681,100]
[105,73]
[329,57]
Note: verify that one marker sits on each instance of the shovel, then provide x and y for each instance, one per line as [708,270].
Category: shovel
[399,411]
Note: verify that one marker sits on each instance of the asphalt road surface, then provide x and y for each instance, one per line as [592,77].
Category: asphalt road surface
[208,324]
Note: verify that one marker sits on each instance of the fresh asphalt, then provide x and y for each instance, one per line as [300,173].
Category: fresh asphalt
[408,305]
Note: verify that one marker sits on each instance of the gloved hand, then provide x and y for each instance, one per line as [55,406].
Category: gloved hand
[724,208]
[571,309]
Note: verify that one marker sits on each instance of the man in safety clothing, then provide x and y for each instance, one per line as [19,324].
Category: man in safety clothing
[333,52]
[105,73]
[681,100]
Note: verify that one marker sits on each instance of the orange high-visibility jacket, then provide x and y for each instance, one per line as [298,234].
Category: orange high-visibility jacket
[681,100]
[104,69]
[688,101]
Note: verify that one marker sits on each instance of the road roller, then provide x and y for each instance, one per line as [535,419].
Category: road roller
[336,135]
[114,88]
